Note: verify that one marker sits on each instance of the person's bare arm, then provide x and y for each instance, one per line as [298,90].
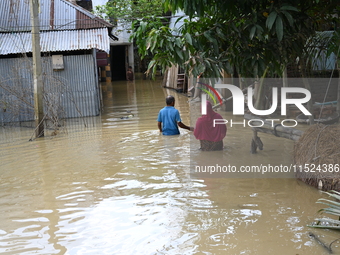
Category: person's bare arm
[160,126]
[182,125]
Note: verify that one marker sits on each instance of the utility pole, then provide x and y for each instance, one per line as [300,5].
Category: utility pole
[37,69]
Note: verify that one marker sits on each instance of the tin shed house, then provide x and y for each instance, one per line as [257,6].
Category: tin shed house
[70,39]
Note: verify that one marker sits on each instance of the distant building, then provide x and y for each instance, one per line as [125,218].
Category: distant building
[70,38]
[122,53]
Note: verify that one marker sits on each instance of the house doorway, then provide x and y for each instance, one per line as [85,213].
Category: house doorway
[117,59]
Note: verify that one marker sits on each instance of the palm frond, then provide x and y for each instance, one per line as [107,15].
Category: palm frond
[333,208]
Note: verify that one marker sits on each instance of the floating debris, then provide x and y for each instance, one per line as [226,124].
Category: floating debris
[127,117]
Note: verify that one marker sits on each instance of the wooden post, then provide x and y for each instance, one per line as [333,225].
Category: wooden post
[37,73]
[255,142]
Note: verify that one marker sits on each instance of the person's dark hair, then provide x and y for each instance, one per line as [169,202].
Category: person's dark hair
[169,100]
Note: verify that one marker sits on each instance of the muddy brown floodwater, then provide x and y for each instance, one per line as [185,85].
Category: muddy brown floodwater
[112,185]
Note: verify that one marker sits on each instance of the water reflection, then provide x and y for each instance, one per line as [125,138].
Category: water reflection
[116,186]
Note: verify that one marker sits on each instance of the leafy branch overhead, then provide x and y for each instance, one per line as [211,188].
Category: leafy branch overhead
[125,12]
[251,36]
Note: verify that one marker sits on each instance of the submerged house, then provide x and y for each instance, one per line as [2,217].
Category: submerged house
[70,40]
[121,50]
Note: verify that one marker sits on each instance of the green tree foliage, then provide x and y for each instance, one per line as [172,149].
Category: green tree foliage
[249,36]
[127,11]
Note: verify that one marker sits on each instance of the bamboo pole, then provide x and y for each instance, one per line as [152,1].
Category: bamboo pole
[277,133]
[269,127]
[37,69]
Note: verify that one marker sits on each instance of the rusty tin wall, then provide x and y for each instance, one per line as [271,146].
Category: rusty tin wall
[72,92]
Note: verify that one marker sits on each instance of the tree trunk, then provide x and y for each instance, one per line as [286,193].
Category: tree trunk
[37,69]
[259,98]
[197,90]
[284,78]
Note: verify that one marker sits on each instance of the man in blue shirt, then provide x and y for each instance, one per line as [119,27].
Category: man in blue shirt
[169,119]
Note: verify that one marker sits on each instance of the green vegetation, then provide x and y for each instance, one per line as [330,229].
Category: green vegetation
[332,209]
[130,15]
[128,12]
[243,36]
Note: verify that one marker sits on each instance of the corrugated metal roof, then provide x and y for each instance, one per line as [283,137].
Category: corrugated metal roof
[52,41]
[54,15]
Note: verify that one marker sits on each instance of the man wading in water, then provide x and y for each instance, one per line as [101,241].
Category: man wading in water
[169,119]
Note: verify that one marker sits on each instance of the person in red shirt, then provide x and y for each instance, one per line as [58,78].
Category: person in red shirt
[211,138]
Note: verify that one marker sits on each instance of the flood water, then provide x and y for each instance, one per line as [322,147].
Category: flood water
[113,185]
